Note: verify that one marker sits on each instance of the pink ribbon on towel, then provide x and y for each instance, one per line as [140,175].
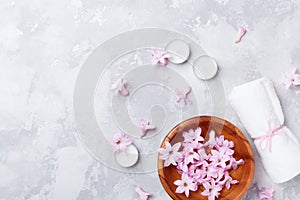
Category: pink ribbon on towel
[268,137]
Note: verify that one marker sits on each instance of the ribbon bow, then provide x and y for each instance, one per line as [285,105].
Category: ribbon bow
[267,137]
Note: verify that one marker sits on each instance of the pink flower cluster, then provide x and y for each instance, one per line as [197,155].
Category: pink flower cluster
[202,163]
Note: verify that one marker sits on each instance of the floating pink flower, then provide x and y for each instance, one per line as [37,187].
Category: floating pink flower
[199,175]
[185,185]
[211,142]
[145,126]
[202,153]
[119,86]
[120,142]
[170,154]
[233,163]
[212,190]
[218,158]
[240,34]
[160,57]
[143,195]
[193,137]
[222,142]
[190,155]
[228,180]
[182,167]
[182,96]
[266,193]
[290,78]
[212,171]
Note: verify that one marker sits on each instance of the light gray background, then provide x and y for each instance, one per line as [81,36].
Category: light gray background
[43,43]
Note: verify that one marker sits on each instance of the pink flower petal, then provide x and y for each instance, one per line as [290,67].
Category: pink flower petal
[145,127]
[290,78]
[240,34]
[143,195]
[266,193]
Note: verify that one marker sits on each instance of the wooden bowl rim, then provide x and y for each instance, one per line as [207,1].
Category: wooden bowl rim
[172,134]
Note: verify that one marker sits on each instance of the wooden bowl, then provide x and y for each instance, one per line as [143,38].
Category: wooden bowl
[244,173]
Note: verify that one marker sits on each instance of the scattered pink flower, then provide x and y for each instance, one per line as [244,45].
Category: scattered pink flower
[170,154]
[160,57]
[212,190]
[290,78]
[143,195]
[266,193]
[119,86]
[182,96]
[240,34]
[145,127]
[120,142]
[186,184]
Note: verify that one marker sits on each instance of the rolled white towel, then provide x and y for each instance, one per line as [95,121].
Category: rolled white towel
[259,109]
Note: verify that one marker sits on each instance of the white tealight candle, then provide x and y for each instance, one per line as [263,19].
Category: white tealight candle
[179,50]
[205,67]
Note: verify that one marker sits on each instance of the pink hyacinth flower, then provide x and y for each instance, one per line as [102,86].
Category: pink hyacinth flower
[160,57]
[224,146]
[185,185]
[182,167]
[119,86]
[145,126]
[182,96]
[120,142]
[170,154]
[219,159]
[211,142]
[190,155]
[212,190]
[266,193]
[143,195]
[240,34]
[212,171]
[228,180]
[290,78]
[233,163]
[193,138]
